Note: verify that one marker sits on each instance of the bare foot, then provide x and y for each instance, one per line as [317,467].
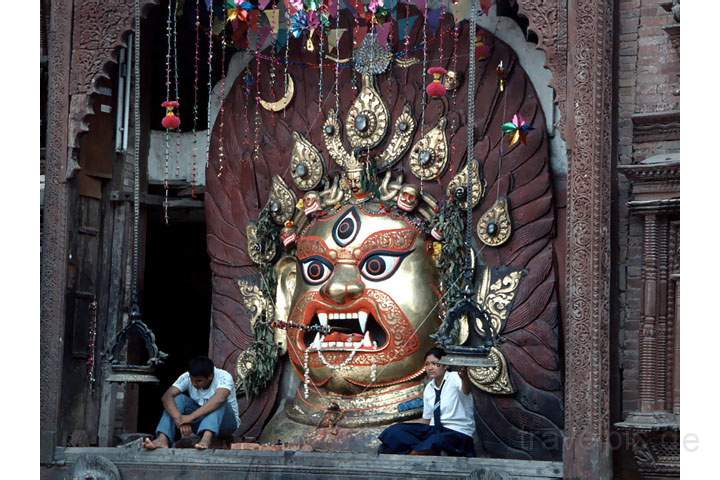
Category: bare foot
[205,440]
[160,442]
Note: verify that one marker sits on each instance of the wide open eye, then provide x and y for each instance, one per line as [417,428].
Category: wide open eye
[316,270]
[346,229]
[380,266]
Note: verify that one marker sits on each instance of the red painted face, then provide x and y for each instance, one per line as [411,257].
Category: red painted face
[368,277]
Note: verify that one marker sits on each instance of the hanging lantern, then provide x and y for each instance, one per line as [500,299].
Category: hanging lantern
[170,121]
[436,88]
[124,371]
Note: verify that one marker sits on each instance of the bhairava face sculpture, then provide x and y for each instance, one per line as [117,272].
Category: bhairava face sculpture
[368,274]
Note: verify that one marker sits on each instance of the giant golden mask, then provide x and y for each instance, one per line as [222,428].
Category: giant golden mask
[369,273]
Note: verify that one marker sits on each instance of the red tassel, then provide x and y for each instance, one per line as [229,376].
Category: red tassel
[436,88]
[171,121]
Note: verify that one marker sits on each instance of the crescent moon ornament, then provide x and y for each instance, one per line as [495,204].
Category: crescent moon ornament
[281,104]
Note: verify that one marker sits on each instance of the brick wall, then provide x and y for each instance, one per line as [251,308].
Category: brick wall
[648,80]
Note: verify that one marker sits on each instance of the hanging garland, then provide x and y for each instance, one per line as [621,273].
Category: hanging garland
[263,353]
[304,17]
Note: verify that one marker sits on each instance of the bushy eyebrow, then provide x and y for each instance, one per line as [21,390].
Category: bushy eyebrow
[397,240]
[310,246]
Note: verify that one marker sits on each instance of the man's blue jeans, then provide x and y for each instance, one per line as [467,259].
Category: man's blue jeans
[220,421]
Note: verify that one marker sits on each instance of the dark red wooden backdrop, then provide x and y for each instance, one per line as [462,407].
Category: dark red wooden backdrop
[527,424]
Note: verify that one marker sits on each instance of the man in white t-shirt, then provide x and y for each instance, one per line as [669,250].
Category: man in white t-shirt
[203,401]
[448,421]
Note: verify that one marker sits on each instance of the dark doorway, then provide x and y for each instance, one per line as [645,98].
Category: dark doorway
[176,295]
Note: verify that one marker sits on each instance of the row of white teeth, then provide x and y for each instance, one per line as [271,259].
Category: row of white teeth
[319,343]
[361,316]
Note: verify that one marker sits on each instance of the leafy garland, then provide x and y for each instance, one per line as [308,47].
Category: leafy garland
[263,352]
[450,220]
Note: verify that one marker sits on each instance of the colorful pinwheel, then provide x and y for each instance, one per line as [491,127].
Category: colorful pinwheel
[517,129]
[298,23]
[375,5]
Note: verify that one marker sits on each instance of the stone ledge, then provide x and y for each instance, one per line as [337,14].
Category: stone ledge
[187,463]
[656,126]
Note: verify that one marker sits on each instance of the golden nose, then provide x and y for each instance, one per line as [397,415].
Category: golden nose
[344,284]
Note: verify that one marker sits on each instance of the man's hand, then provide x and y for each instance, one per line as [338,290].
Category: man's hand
[185,419]
[178,420]
[186,429]
[465,380]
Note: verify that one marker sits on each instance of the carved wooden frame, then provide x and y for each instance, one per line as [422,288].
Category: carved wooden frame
[577,37]
[588,132]
[83,39]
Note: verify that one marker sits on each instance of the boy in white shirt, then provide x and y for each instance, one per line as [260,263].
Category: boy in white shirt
[448,422]
[209,408]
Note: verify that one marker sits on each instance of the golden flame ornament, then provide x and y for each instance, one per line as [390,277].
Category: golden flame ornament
[306,164]
[368,118]
[458,186]
[429,156]
[494,227]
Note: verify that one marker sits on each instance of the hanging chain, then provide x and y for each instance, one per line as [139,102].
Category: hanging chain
[92,337]
[337,54]
[209,86]
[166,172]
[423,87]
[321,53]
[470,140]
[177,88]
[136,162]
[196,79]
[221,141]
[287,62]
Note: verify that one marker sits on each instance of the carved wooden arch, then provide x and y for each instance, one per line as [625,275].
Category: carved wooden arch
[577,36]
[548,21]
[101,29]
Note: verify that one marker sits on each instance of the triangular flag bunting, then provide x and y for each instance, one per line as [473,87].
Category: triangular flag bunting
[405,26]
[334,36]
[273,16]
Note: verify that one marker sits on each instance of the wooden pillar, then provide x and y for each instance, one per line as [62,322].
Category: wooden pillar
[655,200]
[649,315]
[53,270]
[676,362]
[661,304]
[586,451]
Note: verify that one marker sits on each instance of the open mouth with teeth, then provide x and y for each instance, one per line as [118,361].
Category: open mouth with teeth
[350,330]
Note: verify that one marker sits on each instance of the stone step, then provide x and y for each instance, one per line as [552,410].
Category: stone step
[135,463]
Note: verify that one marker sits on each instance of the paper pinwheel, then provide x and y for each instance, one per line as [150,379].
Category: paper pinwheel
[517,129]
